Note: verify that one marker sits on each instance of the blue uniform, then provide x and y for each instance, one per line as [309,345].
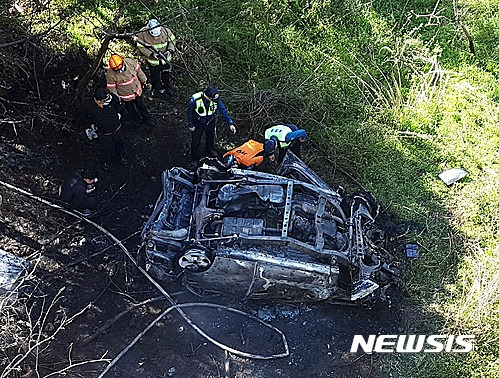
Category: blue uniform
[286,136]
[193,118]
[201,116]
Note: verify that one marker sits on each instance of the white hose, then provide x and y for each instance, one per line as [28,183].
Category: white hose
[175,306]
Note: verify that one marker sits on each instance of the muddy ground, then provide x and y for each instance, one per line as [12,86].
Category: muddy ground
[97,277]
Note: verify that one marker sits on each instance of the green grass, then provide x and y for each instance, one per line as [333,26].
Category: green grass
[394,97]
[389,91]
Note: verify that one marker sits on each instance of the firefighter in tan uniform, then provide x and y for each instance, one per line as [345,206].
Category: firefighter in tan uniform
[157,44]
[125,79]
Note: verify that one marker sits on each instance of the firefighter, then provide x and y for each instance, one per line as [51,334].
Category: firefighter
[157,44]
[103,115]
[201,120]
[250,155]
[285,136]
[126,79]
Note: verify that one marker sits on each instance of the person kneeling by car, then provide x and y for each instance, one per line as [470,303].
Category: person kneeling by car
[250,155]
[283,137]
[77,191]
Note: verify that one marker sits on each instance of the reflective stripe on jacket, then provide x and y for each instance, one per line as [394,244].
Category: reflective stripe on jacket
[199,107]
[162,43]
[247,153]
[128,84]
[280,132]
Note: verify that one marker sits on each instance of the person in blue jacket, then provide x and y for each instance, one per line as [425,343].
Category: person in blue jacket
[201,120]
[282,137]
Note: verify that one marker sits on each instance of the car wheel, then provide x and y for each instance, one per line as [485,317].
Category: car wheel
[196,260]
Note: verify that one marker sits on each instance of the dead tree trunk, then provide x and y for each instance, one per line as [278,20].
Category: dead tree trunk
[91,72]
[468,35]
[108,37]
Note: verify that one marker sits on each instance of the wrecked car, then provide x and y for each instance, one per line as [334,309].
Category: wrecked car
[254,235]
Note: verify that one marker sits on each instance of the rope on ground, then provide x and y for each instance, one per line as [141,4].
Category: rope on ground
[175,306]
[182,305]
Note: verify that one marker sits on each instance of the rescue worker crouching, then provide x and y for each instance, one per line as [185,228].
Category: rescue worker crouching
[250,155]
[125,79]
[77,191]
[157,44]
[201,120]
[285,136]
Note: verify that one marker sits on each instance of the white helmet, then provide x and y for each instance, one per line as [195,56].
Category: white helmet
[155,27]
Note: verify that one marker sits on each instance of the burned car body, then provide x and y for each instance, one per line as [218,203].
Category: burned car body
[257,235]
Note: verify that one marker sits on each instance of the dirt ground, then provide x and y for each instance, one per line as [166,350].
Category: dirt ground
[97,277]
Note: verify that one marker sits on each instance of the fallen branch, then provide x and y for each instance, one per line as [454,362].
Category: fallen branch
[91,72]
[469,37]
[76,262]
[414,135]
[28,39]
[14,102]
[72,365]
[117,317]
[38,338]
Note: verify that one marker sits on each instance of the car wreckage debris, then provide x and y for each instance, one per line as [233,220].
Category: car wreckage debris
[285,236]
[290,236]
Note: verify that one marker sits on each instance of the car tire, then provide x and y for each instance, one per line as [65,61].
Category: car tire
[196,260]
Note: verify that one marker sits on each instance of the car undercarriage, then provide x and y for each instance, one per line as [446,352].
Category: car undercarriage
[255,235]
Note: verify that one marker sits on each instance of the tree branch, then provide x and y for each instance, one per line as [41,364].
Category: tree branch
[28,39]
[469,37]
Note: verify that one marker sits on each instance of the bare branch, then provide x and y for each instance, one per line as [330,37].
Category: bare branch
[35,36]
[467,34]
